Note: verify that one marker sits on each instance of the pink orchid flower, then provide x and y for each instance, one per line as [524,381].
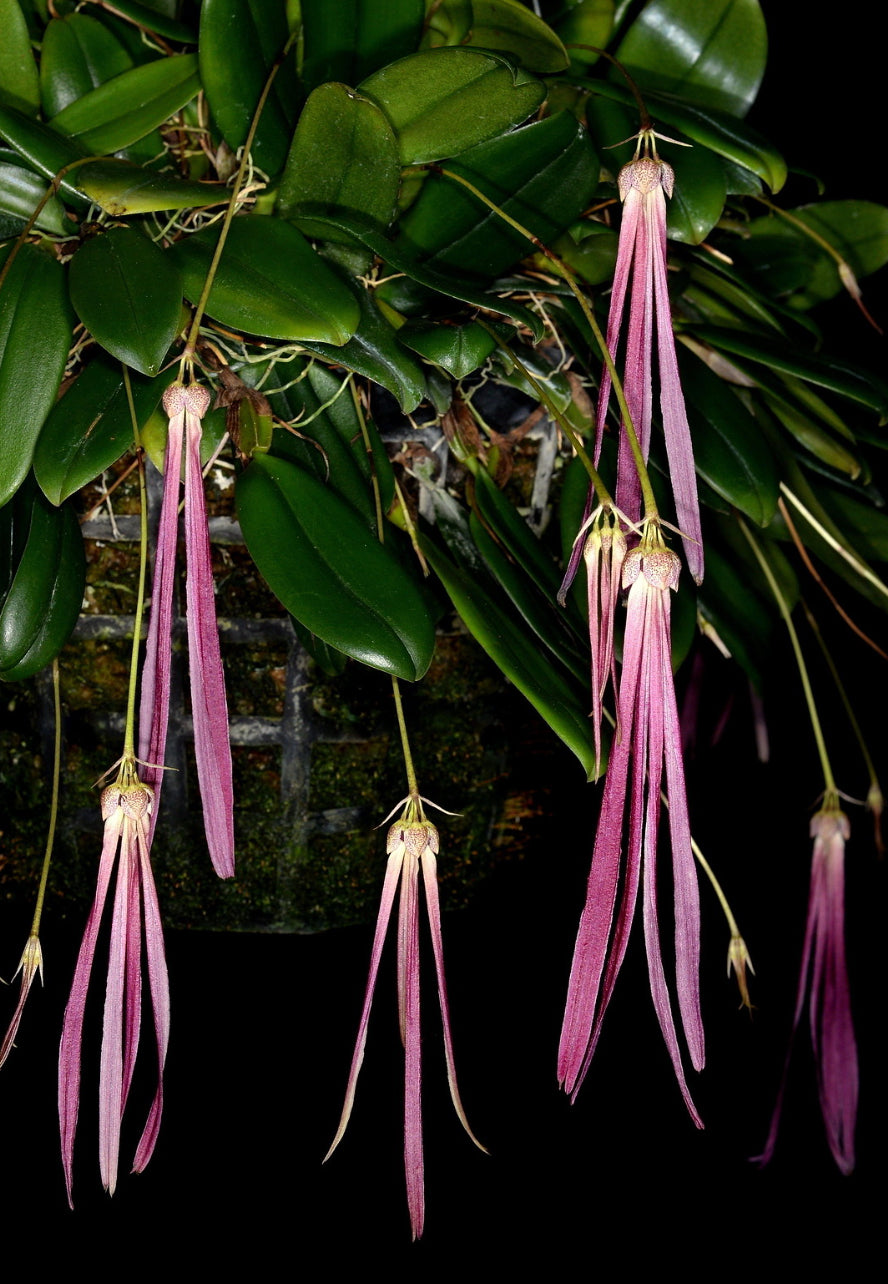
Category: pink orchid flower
[823,978]
[647,741]
[135,927]
[644,185]
[186,407]
[30,964]
[412,844]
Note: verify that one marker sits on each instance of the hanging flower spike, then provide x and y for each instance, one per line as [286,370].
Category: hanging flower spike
[648,739]
[135,925]
[604,552]
[823,976]
[412,844]
[641,256]
[185,408]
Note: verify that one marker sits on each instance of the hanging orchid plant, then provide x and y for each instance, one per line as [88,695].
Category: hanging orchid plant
[330,216]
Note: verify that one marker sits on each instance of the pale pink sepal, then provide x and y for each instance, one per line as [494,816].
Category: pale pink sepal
[209,703]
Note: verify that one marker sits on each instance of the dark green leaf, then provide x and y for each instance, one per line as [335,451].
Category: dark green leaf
[710,52]
[129,106]
[562,704]
[44,150]
[128,294]
[698,198]
[543,176]
[330,572]
[730,452]
[21,191]
[19,86]
[77,55]
[349,40]
[89,428]
[511,28]
[458,349]
[445,100]
[344,159]
[584,22]
[270,282]
[150,18]
[42,573]
[35,335]
[240,42]
[375,352]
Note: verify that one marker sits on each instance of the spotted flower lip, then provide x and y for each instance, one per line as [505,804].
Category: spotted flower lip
[646,747]
[135,928]
[644,185]
[412,844]
[185,407]
[823,980]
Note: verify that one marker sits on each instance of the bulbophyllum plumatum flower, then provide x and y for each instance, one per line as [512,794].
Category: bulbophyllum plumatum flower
[135,930]
[412,845]
[823,980]
[186,407]
[646,745]
[640,271]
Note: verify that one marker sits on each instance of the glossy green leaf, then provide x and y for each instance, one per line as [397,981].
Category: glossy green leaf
[240,42]
[42,574]
[513,532]
[812,437]
[710,52]
[349,40]
[35,335]
[730,452]
[344,159]
[121,188]
[150,18]
[77,55]
[89,428]
[270,282]
[327,437]
[448,23]
[446,100]
[511,28]
[547,620]
[561,704]
[698,197]
[20,193]
[458,349]
[722,133]
[543,176]
[858,230]
[19,85]
[375,352]
[42,148]
[823,370]
[330,571]
[129,106]
[401,258]
[128,294]
[583,23]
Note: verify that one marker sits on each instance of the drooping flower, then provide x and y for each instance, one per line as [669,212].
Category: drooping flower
[412,844]
[644,185]
[135,930]
[823,979]
[647,745]
[30,964]
[185,408]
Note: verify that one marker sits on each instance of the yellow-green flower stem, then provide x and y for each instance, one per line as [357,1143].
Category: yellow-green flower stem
[414,811]
[187,359]
[129,738]
[830,792]
[650,504]
[54,799]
